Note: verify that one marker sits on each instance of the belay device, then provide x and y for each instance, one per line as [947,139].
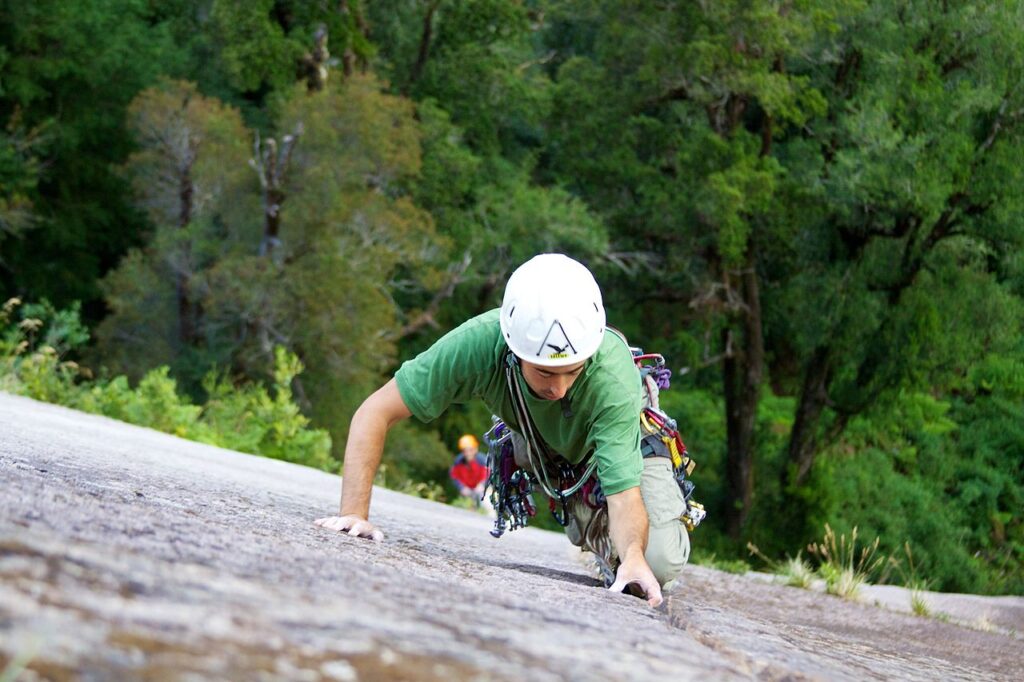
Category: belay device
[511,486]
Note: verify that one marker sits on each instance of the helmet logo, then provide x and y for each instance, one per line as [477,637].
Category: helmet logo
[559,335]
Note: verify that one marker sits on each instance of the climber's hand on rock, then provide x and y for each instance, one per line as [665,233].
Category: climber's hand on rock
[640,573]
[353,525]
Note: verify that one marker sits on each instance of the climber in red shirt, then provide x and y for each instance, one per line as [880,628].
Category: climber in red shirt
[469,470]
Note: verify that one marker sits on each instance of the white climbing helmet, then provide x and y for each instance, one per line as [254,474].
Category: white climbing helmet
[552,314]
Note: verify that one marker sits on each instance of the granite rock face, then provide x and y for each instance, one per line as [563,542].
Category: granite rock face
[129,554]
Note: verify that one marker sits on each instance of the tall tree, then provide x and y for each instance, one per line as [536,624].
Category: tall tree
[71,69]
[666,120]
[19,175]
[251,53]
[190,178]
[915,187]
[482,97]
[346,238]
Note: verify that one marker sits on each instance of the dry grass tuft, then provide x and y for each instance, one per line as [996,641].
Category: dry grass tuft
[844,568]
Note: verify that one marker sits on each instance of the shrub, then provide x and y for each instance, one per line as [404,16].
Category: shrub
[33,343]
[246,417]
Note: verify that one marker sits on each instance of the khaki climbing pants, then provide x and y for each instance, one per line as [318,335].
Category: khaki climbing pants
[668,543]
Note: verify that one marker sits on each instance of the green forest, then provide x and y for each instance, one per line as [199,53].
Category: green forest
[233,221]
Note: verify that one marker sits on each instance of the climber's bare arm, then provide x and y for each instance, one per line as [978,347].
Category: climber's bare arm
[369,427]
[628,525]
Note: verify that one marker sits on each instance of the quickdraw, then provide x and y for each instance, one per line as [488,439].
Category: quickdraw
[660,434]
[511,487]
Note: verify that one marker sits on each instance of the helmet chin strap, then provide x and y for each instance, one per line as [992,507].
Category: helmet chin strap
[532,439]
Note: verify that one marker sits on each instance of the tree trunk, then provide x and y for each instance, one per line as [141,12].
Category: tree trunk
[803,440]
[187,323]
[313,65]
[349,58]
[272,166]
[742,375]
[424,50]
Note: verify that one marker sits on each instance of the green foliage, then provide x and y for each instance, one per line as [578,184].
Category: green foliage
[61,330]
[68,71]
[347,233]
[428,490]
[906,257]
[250,54]
[909,576]
[798,572]
[255,50]
[190,176]
[350,240]
[939,476]
[245,417]
[34,341]
[41,375]
[415,454]
[737,566]
[249,418]
[986,485]
[698,414]
[480,66]
[19,176]
[155,402]
[795,571]
[842,568]
[919,604]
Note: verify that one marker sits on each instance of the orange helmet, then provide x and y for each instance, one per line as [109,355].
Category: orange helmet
[468,441]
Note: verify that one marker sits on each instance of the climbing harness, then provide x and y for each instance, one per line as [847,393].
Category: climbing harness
[563,484]
[511,486]
[534,450]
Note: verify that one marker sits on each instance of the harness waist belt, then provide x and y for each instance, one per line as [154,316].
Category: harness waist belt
[653,446]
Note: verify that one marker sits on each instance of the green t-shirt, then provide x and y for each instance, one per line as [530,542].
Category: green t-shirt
[603,403]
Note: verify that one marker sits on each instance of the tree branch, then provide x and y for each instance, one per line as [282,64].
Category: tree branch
[426,317]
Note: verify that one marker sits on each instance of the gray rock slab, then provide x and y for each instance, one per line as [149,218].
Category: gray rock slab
[130,554]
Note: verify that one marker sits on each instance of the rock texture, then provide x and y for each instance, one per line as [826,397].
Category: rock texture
[125,553]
